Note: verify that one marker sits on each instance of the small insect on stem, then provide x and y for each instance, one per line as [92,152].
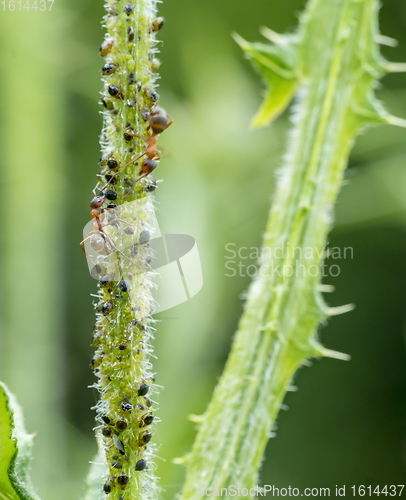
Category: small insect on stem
[157,24]
[100,241]
[158,121]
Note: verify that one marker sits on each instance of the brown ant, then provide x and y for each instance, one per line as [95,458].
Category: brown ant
[158,123]
[100,241]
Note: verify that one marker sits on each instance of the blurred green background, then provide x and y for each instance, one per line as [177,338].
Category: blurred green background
[347,423]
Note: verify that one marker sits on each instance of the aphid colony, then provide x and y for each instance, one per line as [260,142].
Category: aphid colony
[136,101]
[125,420]
[132,122]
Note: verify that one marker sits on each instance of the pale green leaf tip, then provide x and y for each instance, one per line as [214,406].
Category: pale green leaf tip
[273,105]
[260,121]
[262,117]
[281,90]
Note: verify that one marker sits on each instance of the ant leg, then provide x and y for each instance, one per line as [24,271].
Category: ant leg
[97,185]
[136,159]
[82,243]
[107,185]
[170,122]
[112,212]
[158,157]
[119,172]
[112,178]
[117,249]
[88,236]
[129,193]
[142,176]
[138,136]
[120,220]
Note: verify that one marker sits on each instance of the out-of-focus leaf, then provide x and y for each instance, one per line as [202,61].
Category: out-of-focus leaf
[277,64]
[15,450]
[380,185]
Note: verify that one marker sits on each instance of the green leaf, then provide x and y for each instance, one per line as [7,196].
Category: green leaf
[15,450]
[95,479]
[277,64]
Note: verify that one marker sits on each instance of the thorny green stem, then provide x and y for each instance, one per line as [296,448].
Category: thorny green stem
[337,64]
[124,326]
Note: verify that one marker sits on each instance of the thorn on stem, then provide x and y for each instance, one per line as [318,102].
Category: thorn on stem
[336,311]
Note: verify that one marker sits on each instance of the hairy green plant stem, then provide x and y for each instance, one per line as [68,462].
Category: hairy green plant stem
[124,326]
[336,65]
